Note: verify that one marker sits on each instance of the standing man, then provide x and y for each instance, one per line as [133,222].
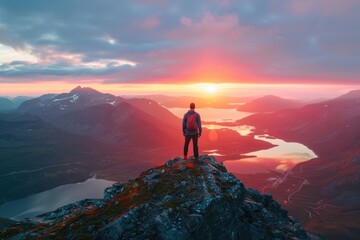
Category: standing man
[191,127]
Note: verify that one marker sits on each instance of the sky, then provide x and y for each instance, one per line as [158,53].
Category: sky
[166,45]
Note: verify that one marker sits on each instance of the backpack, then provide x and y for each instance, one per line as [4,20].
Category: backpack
[191,122]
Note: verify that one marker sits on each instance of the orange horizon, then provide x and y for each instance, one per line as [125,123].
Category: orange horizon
[199,89]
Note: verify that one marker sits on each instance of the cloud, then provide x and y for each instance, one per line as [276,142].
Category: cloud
[211,25]
[58,64]
[323,7]
[8,54]
[148,23]
[181,41]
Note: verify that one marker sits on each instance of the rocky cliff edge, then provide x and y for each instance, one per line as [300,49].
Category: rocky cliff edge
[182,199]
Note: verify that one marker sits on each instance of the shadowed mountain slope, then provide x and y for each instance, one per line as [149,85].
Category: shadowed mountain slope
[36,156]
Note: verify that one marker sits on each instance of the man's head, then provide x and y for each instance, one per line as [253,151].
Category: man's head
[192,105]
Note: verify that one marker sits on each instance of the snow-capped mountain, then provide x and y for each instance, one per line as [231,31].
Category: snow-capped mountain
[105,117]
[51,106]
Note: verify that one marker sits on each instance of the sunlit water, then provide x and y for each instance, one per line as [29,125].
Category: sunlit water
[243,130]
[52,199]
[284,149]
[213,152]
[213,114]
[282,157]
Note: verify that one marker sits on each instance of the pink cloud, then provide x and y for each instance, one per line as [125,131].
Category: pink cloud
[224,2]
[186,21]
[325,7]
[210,31]
[50,56]
[150,23]
[210,24]
[151,2]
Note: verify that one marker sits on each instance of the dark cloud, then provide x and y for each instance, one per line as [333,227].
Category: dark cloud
[254,41]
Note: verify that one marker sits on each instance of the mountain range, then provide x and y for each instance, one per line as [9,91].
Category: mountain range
[62,138]
[117,121]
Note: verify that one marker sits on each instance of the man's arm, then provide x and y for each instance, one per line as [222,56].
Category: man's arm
[198,123]
[184,124]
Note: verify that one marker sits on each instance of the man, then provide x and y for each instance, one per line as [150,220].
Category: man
[191,127]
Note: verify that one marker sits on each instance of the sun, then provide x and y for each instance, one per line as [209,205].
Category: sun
[211,88]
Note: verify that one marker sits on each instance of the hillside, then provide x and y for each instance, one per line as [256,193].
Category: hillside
[269,103]
[178,200]
[8,104]
[327,187]
[36,156]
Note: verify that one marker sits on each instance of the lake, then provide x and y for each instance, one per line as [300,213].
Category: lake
[243,130]
[281,158]
[52,199]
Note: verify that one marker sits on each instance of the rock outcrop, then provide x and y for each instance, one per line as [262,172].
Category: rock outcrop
[182,199]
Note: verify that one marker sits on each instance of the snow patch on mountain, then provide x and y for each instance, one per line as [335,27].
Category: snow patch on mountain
[72,98]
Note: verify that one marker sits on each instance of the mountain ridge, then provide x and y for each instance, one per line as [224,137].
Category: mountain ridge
[82,111]
[269,103]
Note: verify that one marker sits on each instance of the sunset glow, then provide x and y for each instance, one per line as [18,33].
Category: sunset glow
[204,90]
[216,43]
[211,88]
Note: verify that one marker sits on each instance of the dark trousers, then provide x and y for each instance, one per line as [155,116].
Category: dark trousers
[195,145]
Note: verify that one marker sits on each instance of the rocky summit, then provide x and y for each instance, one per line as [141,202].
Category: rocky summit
[183,199]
